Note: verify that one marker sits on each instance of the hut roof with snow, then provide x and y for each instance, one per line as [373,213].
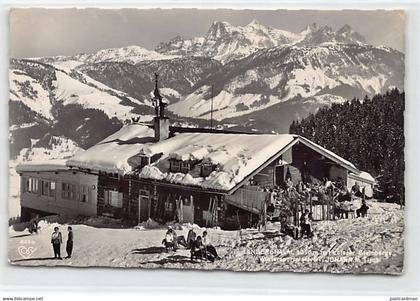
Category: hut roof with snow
[116,153]
[235,157]
[232,157]
[39,165]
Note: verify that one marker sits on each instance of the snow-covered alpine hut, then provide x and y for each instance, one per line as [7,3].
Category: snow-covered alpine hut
[221,178]
[201,176]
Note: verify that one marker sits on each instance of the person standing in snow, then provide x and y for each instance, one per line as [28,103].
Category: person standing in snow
[356,191]
[56,241]
[69,245]
[305,224]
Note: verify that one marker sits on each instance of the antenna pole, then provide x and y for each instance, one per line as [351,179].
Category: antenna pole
[211,109]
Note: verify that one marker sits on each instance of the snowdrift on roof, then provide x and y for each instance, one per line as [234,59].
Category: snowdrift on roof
[42,165]
[235,155]
[113,153]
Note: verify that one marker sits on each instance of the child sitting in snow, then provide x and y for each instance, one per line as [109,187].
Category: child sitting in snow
[208,245]
[198,251]
[191,238]
[168,241]
[362,211]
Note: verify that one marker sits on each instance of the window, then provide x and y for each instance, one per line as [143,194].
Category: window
[206,169]
[114,175]
[84,193]
[45,187]
[39,186]
[31,185]
[185,167]
[69,191]
[175,165]
[144,161]
[52,188]
[113,198]
[65,191]
[73,192]
[179,166]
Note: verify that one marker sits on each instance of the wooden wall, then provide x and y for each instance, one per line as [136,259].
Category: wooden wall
[120,184]
[266,177]
[56,204]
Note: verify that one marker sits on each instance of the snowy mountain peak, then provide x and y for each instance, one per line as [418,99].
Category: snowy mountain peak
[218,29]
[346,34]
[345,28]
[314,34]
[130,54]
[255,23]
[226,42]
[310,28]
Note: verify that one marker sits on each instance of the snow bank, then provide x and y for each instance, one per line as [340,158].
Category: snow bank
[149,224]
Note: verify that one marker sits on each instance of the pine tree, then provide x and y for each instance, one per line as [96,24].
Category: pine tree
[369,133]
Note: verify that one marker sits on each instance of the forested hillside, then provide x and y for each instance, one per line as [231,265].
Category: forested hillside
[368,132]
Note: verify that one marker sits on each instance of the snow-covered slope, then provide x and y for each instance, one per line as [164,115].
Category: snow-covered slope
[374,244]
[177,76]
[71,91]
[40,86]
[28,90]
[327,73]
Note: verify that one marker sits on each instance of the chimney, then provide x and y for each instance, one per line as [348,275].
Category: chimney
[161,126]
[160,121]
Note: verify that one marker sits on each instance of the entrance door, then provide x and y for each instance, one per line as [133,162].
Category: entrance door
[144,206]
[279,175]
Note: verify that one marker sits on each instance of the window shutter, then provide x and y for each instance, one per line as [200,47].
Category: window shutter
[38,186]
[106,197]
[113,195]
[120,200]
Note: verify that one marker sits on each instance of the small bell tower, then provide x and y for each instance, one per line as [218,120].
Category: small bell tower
[160,121]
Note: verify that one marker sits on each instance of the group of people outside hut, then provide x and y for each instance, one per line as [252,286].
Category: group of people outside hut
[200,246]
[287,201]
[57,240]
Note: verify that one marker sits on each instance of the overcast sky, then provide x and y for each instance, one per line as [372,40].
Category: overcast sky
[47,32]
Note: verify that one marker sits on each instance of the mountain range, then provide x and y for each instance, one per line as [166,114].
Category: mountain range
[258,78]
